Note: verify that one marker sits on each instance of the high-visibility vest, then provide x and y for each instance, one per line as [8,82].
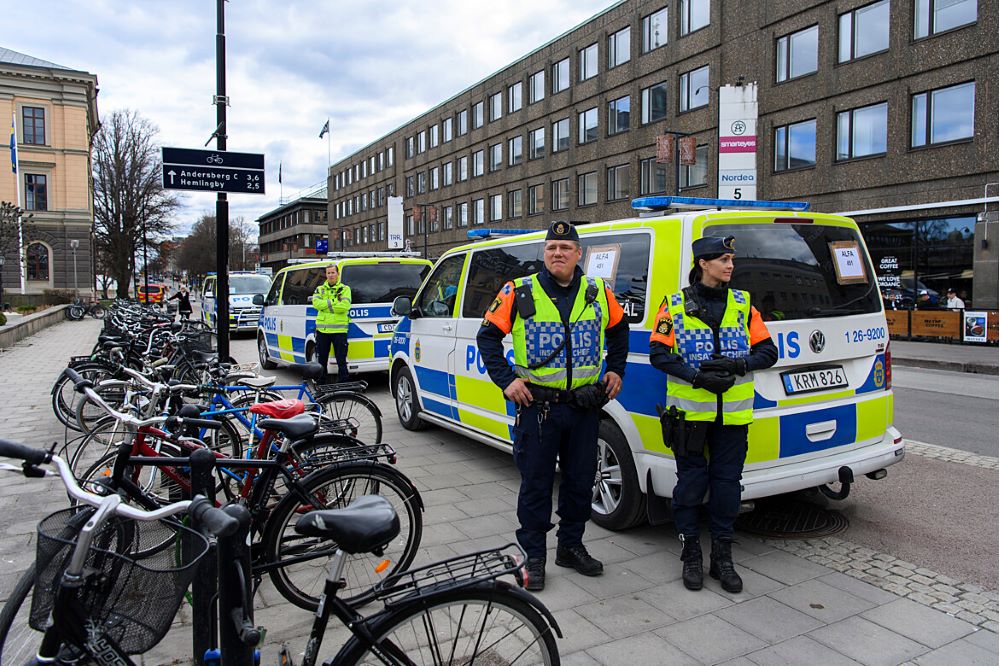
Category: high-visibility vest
[333,305]
[695,341]
[538,336]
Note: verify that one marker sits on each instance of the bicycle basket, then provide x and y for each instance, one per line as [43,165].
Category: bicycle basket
[136,574]
[204,341]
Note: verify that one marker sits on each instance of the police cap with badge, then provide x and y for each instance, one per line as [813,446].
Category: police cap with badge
[561,230]
[711,247]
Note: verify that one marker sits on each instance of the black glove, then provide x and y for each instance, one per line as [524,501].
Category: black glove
[591,396]
[714,381]
[720,363]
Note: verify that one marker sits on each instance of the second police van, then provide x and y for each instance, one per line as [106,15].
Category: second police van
[243,312]
[286,330]
[822,415]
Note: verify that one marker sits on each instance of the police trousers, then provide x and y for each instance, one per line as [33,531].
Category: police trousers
[571,434]
[339,343]
[719,475]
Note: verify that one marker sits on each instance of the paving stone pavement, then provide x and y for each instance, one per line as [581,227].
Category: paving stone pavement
[812,601]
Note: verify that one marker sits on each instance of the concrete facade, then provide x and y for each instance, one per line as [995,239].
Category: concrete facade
[291,230]
[68,102]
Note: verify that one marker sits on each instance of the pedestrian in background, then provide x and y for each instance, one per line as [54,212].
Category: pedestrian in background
[557,386]
[954,302]
[708,339]
[924,301]
[332,300]
[183,299]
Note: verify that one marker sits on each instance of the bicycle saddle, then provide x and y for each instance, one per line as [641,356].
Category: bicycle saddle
[294,428]
[367,524]
[279,409]
[205,357]
[257,382]
[308,370]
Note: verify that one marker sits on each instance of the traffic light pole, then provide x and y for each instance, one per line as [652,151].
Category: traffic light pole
[221,203]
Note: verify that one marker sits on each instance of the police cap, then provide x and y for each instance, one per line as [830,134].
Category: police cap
[561,230]
[713,246]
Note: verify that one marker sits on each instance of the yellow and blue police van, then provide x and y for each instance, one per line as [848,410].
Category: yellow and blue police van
[286,328]
[243,312]
[822,415]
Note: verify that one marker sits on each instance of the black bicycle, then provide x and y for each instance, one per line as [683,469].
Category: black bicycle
[80,309]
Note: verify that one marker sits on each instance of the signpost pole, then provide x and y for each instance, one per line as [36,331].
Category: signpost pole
[221,203]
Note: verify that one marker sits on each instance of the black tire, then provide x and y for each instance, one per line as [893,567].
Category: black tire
[75,312]
[617,502]
[64,395]
[265,361]
[98,312]
[335,487]
[150,478]
[511,630]
[19,643]
[351,414]
[104,437]
[89,414]
[407,402]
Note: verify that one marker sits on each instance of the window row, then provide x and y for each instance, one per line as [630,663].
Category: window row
[366,167]
[365,201]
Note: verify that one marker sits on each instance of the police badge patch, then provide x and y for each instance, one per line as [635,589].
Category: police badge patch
[664,326]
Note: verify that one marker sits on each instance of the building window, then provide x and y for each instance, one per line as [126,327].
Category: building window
[432,217]
[514,204]
[477,163]
[942,115]
[390,155]
[587,121]
[477,115]
[496,207]
[619,47]
[35,192]
[696,174]
[514,94]
[795,146]
[496,106]
[536,143]
[560,76]
[618,113]
[797,54]
[536,202]
[864,31]
[435,178]
[447,174]
[496,156]
[654,30]
[421,182]
[694,89]
[654,103]
[560,135]
[536,87]
[586,185]
[33,125]
[463,122]
[560,194]
[933,16]
[422,142]
[695,15]
[652,177]
[447,126]
[618,182]
[862,132]
[463,214]
[410,150]
[37,256]
[381,196]
[381,161]
[588,62]
[515,150]
[410,228]
[449,219]
[478,211]
[463,169]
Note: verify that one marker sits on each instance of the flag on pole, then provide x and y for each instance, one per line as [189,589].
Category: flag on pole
[13,142]
[326,128]
[279,172]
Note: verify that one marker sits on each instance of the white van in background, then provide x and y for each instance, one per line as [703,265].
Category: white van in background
[243,286]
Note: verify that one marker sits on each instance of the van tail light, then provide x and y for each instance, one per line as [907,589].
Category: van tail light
[888,367]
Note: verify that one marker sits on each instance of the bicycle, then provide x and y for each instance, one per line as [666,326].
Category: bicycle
[457,611]
[79,309]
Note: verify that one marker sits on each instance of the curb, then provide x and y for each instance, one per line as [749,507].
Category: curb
[953,366]
[12,333]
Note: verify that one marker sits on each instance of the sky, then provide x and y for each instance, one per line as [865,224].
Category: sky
[367,65]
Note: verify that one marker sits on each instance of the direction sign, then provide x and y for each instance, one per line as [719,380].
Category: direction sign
[213,171]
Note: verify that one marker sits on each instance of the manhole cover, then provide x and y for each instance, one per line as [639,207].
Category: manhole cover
[789,518]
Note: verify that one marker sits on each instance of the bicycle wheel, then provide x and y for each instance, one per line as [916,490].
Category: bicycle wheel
[104,438]
[19,643]
[460,626]
[98,312]
[89,414]
[64,396]
[75,312]
[334,487]
[151,479]
[351,414]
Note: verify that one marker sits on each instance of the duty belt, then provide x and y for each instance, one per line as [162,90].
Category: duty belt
[546,394]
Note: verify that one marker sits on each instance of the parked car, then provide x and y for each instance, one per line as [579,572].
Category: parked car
[156,293]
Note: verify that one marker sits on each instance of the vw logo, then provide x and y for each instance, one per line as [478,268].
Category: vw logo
[739,127]
[817,341]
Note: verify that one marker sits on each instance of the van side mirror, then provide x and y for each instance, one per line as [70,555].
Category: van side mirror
[402,306]
[258,299]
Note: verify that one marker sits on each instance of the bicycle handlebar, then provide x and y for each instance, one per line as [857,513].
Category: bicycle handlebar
[9,449]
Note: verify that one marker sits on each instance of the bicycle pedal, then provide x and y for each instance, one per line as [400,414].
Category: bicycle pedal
[285,656]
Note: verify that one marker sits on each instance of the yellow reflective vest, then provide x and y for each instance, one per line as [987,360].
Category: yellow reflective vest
[332,307]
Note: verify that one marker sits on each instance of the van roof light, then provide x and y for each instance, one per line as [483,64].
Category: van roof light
[486,233]
[701,203]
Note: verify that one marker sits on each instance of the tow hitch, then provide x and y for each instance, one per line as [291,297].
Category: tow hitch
[846,476]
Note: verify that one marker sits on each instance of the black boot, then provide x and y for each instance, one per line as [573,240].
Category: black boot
[693,572]
[722,568]
[535,572]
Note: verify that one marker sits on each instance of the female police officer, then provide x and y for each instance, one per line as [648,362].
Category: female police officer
[709,340]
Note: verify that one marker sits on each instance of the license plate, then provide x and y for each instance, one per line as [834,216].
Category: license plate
[817,379]
[387,328]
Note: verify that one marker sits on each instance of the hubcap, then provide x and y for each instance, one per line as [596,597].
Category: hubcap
[403,404]
[262,350]
[608,481]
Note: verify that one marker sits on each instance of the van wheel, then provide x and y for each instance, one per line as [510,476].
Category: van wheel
[265,361]
[617,503]
[407,403]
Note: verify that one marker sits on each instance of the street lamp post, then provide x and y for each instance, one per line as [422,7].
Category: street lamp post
[1,283]
[74,244]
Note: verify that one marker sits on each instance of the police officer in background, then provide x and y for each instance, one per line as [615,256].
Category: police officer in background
[709,340]
[332,300]
[559,392]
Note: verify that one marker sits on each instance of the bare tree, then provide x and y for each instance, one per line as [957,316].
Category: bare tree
[197,252]
[10,237]
[128,194]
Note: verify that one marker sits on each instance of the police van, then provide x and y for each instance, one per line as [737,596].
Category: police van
[286,329]
[823,413]
[243,286]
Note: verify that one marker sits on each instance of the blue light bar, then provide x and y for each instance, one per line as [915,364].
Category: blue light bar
[700,203]
[486,233]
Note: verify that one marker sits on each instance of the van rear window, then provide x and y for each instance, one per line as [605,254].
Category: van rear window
[790,271]
[382,283]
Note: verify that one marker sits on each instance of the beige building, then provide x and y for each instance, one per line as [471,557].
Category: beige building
[55,111]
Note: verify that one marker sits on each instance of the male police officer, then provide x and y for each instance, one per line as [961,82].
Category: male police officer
[709,340]
[559,319]
[332,300]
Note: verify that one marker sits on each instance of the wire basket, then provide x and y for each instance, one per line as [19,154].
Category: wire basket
[136,574]
[204,341]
